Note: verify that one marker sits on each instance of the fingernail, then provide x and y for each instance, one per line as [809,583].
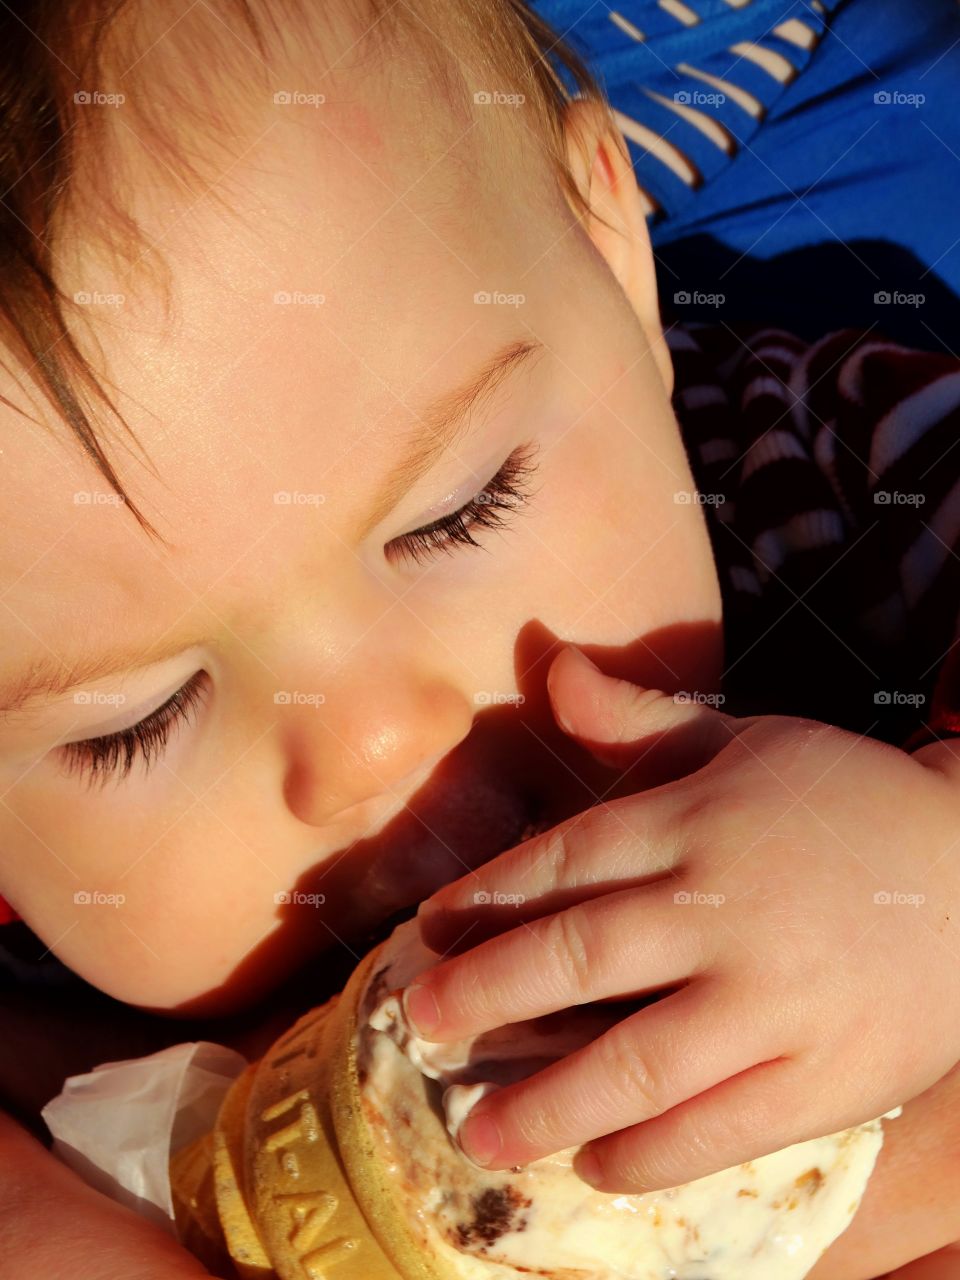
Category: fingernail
[480,1139]
[576,649]
[420,1006]
[588,1167]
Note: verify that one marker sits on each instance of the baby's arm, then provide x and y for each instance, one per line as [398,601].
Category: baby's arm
[942,1265]
[912,1203]
[52,1225]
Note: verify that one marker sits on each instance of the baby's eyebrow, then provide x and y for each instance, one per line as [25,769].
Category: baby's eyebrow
[441,421]
[438,425]
[51,676]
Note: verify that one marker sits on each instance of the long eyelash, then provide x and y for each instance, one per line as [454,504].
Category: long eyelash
[116,753]
[492,508]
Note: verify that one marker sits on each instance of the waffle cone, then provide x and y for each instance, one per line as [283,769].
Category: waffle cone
[289,1183]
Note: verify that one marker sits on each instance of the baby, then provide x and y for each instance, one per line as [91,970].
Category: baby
[337,403]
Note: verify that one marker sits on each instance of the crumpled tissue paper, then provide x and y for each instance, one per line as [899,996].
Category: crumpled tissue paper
[118,1125]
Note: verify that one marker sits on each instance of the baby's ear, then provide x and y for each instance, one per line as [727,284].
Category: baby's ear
[600,165]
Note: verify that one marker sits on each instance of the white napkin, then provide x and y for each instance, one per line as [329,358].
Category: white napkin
[118,1125]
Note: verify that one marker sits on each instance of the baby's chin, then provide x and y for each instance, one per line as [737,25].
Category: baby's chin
[366,893]
[470,809]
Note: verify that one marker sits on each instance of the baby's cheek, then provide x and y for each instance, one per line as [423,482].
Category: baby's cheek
[145,946]
[159,914]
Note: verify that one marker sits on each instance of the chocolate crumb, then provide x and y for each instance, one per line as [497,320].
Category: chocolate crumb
[495,1212]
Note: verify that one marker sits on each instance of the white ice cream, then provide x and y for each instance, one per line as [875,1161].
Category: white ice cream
[769,1219]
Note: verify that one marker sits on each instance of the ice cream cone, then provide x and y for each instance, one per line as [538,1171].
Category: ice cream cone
[334,1158]
[288,1183]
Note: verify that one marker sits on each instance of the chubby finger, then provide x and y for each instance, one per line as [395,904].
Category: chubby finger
[632,941]
[638,1069]
[763,1109]
[623,844]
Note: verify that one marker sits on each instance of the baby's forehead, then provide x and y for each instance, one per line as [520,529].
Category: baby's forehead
[304,328]
[198,107]
[367,181]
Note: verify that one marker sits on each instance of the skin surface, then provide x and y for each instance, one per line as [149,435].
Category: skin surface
[373,796]
[53,1224]
[365,786]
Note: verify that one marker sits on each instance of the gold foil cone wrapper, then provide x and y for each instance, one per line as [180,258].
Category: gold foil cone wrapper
[289,1182]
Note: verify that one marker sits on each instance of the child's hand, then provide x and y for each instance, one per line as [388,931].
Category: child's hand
[800,888]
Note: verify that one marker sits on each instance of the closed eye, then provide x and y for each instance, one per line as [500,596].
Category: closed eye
[116,753]
[491,508]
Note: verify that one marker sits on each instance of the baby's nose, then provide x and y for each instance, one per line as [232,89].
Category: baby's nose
[362,746]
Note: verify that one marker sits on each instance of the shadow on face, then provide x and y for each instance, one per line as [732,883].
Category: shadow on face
[515,767]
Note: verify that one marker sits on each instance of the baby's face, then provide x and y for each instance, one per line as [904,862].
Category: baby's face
[370,717]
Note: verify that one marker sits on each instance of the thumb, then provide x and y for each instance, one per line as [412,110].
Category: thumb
[628,726]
